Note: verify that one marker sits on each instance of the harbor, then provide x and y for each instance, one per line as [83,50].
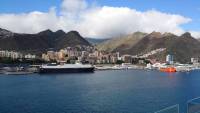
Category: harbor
[135,90]
[61,66]
[80,68]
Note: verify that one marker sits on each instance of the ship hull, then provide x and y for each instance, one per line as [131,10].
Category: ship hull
[168,69]
[66,70]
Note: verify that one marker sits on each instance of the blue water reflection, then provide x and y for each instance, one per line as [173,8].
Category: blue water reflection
[130,91]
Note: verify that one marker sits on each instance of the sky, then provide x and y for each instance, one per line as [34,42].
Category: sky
[101,18]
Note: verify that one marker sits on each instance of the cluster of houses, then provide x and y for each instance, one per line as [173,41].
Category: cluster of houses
[86,55]
[15,55]
[146,55]
[92,56]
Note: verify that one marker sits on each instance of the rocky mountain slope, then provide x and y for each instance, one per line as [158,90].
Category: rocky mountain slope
[41,41]
[121,43]
[182,47]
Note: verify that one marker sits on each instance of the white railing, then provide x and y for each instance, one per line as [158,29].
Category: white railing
[171,109]
[193,105]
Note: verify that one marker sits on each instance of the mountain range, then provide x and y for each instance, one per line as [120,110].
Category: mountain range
[182,47]
[41,41]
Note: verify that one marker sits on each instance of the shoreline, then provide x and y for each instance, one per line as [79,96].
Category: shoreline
[29,69]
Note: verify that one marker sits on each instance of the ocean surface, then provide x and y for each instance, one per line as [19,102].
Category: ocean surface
[119,91]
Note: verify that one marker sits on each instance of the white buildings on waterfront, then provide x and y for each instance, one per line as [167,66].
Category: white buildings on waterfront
[15,55]
[29,56]
[194,60]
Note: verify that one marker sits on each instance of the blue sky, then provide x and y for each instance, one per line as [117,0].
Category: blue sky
[21,6]
[185,8]
[188,8]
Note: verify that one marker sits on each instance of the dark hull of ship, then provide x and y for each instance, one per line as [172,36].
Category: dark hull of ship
[66,70]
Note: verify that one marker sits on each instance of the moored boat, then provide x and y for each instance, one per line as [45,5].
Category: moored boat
[168,69]
[17,72]
[66,68]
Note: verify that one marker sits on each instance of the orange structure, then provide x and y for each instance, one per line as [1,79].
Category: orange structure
[168,69]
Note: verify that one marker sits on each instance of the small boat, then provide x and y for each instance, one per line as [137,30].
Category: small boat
[17,72]
[168,69]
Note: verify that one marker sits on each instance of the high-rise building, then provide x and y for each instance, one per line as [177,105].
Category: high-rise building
[169,59]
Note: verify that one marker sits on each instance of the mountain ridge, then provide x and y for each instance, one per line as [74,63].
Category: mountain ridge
[182,47]
[122,42]
[41,41]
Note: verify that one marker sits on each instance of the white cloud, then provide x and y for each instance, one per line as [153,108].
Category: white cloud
[195,34]
[73,6]
[111,21]
[29,23]
[95,21]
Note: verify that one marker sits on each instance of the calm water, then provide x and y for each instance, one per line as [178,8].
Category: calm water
[132,91]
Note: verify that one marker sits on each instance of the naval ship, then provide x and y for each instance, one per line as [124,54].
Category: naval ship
[66,68]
